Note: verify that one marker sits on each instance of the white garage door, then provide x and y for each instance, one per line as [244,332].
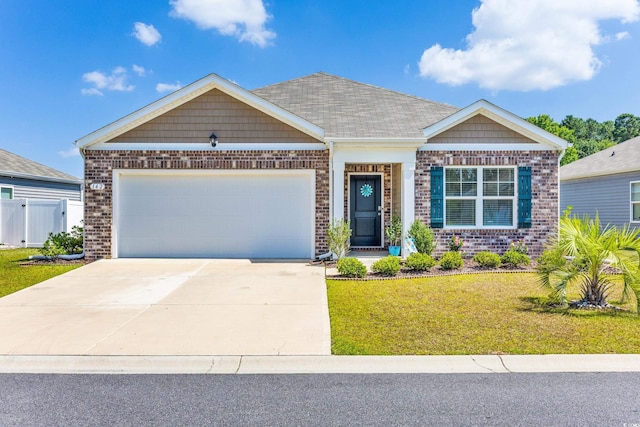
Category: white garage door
[221,214]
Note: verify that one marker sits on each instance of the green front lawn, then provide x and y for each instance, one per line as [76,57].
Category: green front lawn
[471,314]
[14,276]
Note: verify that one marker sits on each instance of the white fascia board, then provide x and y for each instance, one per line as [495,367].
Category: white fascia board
[186,94]
[390,143]
[374,155]
[499,115]
[39,177]
[202,146]
[486,147]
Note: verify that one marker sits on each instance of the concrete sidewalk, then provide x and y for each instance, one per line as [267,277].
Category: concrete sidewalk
[487,364]
[146,307]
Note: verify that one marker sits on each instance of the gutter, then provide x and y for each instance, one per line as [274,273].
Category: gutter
[12,174]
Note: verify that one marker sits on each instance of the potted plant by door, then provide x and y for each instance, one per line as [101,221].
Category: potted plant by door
[394,235]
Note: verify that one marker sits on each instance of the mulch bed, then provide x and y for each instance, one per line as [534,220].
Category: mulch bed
[469,267]
[55,261]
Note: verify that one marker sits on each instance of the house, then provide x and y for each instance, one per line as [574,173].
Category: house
[21,178]
[606,183]
[36,200]
[215,170]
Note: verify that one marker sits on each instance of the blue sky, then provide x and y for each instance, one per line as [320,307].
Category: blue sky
[70,67]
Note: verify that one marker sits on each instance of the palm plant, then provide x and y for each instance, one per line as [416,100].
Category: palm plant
[586,253]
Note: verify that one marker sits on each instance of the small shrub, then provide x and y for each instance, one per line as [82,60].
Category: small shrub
[338,237]
[351,267]
[63,243]
[394,231]
[422,237]
[514,259]
[419,262]
[519,247]
[389,266]
[455,244]
[487,259]
[451,261]
[551,258]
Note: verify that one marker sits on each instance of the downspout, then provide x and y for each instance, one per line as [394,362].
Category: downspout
[331,180]
[562,153]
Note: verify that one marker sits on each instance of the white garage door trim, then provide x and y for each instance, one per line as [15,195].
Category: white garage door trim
[119,173]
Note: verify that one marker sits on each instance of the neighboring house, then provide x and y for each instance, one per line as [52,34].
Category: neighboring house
[36,200]
[214,170]
[21,178]
[606,183]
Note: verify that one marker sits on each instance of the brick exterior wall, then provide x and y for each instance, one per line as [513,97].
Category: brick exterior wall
[545,198]
[99,166]
[364,169]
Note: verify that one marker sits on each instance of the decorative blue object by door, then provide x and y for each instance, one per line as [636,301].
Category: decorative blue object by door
[365,210]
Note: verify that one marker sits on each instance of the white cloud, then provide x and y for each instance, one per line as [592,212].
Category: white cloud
[91,91]
[528,44]
[168,87]
[139,70]
[244,19]
[622,35]
[116,81]
[72,152]
[146,34]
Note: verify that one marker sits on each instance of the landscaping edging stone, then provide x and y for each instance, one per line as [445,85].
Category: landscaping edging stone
[372,277]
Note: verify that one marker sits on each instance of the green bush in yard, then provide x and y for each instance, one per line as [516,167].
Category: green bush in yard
[63,243]
[451,261]
[351,267]
[514,259]
[422,237]
[487,259]
[389,266]
[338,237]
[419,262]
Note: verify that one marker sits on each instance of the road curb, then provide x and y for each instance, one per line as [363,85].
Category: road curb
[482,364]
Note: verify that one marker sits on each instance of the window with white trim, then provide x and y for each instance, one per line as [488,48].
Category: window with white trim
[6,193]
[483,197]
[635,202]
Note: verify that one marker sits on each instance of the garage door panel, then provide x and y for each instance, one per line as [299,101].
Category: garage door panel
[237,215]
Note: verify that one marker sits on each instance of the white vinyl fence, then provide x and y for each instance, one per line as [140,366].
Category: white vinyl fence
[28,222]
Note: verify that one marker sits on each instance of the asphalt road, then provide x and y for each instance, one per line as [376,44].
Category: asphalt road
[580,399]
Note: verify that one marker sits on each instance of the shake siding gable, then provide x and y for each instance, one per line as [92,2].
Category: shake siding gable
[479,130]
[233,122]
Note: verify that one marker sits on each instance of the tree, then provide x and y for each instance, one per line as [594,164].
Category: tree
[584,252]
[626,126]
[545,122]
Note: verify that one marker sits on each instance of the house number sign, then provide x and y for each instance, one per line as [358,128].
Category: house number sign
[96,186]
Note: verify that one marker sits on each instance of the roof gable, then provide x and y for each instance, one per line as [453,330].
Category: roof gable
[480,129]
[20,167]
[500,116]
[187,94]
[348,109]
[621,158]
[232,120]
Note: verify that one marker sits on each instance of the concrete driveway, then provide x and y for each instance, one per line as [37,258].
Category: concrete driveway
[171,307]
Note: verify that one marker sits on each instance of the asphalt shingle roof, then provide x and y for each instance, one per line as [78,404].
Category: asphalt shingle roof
[623,157]
[348,109]
[10,162]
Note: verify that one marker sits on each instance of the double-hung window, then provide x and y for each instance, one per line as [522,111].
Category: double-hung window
[6,193]
[635,202]
[483,197]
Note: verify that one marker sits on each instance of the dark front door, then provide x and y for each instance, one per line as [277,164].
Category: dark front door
[366,210]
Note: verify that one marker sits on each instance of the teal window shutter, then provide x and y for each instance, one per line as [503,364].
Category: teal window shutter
[437,197]
[524,197]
